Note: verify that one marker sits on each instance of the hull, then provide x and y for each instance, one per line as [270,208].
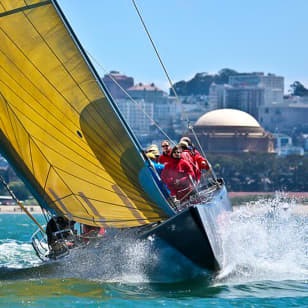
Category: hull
[194,232]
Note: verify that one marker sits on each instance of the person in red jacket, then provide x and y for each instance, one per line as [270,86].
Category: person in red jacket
[178,175]
[199,161]
[166,152]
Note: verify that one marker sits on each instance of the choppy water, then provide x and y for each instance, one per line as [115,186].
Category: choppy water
[265,265]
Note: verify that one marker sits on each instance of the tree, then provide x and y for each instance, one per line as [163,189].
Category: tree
[298,89]
[20,190]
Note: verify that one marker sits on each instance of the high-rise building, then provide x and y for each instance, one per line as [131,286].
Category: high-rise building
[272,85]
[245,99]
[249,92]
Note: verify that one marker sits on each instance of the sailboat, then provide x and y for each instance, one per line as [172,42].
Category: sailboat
[67,140]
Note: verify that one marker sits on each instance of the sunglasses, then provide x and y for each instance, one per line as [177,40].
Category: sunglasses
[177,152]
[165,146]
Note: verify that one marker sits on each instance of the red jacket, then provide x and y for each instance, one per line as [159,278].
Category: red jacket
[164,158]
[201,162]
[178,169]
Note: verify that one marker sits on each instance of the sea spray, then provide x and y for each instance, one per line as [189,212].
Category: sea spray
[264,240]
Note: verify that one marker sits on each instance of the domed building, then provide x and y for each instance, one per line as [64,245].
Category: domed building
[232,131]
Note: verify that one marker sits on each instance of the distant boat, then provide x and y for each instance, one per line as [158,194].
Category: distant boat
[66,138]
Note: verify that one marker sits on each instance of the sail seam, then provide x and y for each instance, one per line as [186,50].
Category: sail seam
[120,221]
[4,126]
[92,172]
[140,201]
[71,139]
[48,81]
[16,117]
[10,118]
[44,40]
[32,137]
[124,206]
[24,8]
[128,167]
[80,194]
[35,123]
[43,107]
[45,119]
[38,89]
[71,76]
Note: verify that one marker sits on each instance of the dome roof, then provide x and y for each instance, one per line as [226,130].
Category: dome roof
[227,117]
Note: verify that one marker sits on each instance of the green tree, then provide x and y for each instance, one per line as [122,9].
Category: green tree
[20,190]
[298,89]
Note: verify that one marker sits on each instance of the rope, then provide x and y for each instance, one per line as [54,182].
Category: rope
[171,85]
[159,58]
[131,99]
[19,203]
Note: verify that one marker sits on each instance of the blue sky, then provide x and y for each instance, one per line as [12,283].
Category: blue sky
[194,36]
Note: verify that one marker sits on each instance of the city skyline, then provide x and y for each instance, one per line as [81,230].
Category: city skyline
[203,37]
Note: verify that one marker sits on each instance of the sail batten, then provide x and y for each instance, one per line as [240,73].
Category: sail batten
[60,128]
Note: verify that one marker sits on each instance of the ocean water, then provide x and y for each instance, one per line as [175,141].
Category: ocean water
[265,264]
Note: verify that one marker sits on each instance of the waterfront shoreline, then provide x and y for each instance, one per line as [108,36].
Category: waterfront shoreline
[15,209]
[301,209]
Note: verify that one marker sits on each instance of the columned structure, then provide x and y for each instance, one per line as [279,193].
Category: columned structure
[232,131]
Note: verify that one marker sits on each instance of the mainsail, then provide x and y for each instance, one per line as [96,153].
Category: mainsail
[61,130]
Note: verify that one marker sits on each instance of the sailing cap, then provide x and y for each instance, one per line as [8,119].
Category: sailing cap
[186,139]
[151,155]
[153,148]
[184,144]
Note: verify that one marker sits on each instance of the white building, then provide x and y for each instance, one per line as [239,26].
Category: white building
[138,115]
[273,85]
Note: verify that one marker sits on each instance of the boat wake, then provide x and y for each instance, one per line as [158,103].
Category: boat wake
[123,260]
[265,240]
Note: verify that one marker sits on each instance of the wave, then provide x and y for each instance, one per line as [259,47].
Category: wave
[264,240]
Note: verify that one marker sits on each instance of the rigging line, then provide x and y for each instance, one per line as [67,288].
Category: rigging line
[167,75]
[64,67]
[19,203]
[158,56]
[209,164]
[101,86]
[131,99]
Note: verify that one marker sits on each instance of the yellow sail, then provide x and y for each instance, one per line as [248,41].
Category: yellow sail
[60,129]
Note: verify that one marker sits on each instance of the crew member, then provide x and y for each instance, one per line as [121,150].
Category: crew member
[166,151]
[200,162]
[178,174]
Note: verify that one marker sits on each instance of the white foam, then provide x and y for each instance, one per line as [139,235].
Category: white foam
[264,240]
[14,254]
